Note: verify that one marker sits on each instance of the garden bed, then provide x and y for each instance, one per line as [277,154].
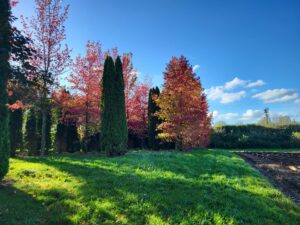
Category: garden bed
[283,169]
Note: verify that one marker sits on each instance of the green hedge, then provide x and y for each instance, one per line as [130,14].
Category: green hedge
[255,136]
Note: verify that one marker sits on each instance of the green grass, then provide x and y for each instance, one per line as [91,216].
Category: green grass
[200,187]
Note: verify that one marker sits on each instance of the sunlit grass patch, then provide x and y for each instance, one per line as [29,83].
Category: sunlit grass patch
[143,187]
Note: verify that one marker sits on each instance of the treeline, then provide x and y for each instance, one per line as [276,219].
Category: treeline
[113,133]
[255,136]
[104,107]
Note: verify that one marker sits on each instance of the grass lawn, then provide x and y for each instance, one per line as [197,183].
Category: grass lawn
[200,187]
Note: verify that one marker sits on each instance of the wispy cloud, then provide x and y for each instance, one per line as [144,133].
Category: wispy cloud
[237,82]
[256,83]
[277,95]
[251,115]
[218,93]
[225,94]
[196,67]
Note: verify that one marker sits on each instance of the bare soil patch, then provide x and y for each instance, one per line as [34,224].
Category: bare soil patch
[283,170]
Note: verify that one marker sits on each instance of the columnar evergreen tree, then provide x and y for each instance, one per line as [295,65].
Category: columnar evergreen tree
[5,70]
[153,121]
[15,129]
[113,123]
[72,138]
[31,134]
[67,138]
[48,128]
[108,123]
[122,131]
[61,137]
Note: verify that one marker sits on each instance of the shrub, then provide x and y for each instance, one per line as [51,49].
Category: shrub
[255,136]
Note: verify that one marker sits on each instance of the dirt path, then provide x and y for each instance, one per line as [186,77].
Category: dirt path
[283,169]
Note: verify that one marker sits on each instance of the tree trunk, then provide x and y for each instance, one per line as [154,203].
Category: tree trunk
[44,123]
[86,133]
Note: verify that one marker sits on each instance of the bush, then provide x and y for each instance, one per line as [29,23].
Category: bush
[255,136]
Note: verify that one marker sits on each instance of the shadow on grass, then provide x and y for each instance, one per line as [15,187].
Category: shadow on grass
[139,190]
[17,207]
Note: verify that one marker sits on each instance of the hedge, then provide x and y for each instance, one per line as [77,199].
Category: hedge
[256,136]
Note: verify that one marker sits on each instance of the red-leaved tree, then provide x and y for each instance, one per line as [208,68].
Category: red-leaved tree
[183,107]
[137,108]
[47,32]
[85,81]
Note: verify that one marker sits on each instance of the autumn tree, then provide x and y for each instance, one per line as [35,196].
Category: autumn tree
[137,111]
[183,107]
[66,136]
[153,120]
[47,32]
[85,82]
[130,80]
[5,70]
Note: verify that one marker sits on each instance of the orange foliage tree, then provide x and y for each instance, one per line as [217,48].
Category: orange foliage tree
[183,107]
[85,82]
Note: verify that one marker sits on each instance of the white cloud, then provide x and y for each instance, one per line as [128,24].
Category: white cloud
[215,114]
[232,97]
[225,116]
[229,116]
[196,67]
[277,95]
[252,114]
[236,82]
[218,93]
[224,93]
[256,83]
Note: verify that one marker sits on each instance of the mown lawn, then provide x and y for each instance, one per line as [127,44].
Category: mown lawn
[200,187]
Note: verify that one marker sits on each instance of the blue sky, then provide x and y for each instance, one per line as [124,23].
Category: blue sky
[246,52]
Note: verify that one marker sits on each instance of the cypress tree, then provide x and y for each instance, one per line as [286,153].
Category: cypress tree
[113,121]
[107,126]
[73,143]
[122,131]
[15,129]
[153,120]
[5,70]
[67,138]
[31,135]
[48,129]
[60,137]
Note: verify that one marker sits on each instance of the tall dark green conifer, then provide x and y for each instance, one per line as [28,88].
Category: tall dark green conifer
[122,129]
[153,120]
[15,129]
[48,129]
[107,129]
[61,137]
[31,134]
[114,132]
[4,74]
[73,142]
